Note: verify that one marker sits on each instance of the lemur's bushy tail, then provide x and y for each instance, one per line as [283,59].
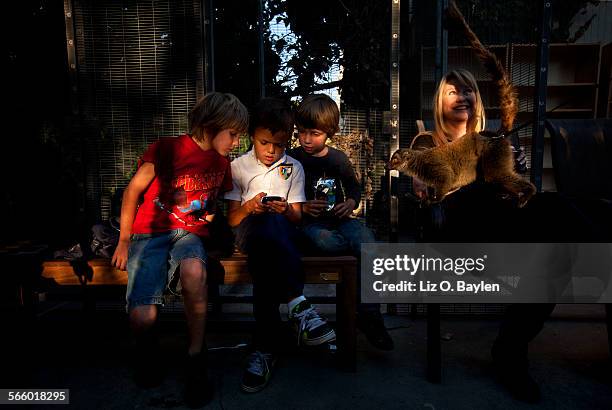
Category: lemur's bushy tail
[507,93]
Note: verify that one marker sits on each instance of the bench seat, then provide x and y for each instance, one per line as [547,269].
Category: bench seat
[338,270]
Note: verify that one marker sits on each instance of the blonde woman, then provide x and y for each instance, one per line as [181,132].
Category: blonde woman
[457,110]
[475,213]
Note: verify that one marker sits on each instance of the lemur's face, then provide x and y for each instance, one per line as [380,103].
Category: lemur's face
[397,160]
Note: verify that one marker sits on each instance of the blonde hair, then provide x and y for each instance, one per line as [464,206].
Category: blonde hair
[441,133]
[216,112]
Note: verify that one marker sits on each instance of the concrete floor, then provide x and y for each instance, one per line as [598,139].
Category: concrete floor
[89,355]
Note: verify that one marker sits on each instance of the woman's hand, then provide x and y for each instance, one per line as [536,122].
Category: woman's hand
[420,189]
[520,160]
[344,209]
[314,207]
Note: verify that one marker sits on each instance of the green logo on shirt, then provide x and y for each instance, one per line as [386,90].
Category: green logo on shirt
[285,171]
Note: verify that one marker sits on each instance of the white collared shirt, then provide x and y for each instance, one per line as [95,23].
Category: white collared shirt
[284,178]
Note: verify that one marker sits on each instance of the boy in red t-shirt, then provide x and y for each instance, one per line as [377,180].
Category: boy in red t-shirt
[165,213]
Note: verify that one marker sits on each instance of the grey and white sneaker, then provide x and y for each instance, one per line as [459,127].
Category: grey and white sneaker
[311,328]
[258,371]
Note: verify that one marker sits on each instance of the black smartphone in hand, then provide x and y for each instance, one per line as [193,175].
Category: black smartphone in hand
[269,198]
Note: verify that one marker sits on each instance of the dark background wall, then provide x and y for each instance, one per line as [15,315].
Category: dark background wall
[140,69]
[39,195]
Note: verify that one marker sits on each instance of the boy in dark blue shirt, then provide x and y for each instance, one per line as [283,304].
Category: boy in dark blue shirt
[332,193]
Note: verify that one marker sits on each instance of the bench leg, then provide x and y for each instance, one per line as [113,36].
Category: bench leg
[88,300]
[346,308]
[434,360]
[609,326]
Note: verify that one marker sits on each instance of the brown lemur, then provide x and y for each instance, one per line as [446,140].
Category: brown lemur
[484,154]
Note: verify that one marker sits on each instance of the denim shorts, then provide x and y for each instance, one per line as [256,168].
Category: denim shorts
[153,259]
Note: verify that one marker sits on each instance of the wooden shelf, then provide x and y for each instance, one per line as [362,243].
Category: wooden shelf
[560,85]
[573,85]
[571,110]
[564,110]
[573,77]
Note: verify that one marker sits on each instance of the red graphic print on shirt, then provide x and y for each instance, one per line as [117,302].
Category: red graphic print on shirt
[187,183]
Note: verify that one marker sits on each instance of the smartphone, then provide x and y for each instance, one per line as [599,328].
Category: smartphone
[269,198]
[325,189]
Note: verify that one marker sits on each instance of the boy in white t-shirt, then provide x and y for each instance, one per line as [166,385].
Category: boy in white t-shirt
[265,206]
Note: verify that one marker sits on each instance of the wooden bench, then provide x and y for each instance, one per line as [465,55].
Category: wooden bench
[338,270]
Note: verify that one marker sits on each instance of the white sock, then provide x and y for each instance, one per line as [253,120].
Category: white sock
[293,303]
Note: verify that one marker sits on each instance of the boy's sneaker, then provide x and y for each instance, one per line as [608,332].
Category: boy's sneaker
[198,388]
[311,328]
[373,327]
[258,371]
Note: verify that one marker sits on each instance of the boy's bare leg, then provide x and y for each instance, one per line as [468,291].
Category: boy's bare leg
[198,387]
[142,318]
[142,322]
[195,294]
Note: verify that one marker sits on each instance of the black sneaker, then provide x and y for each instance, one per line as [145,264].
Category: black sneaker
[513,373]
[147,366]
[311,328]
[198,388]
[258,371]
[520,384]
[373,327]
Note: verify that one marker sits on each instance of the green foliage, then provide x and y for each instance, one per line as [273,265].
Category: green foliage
[356,35]
[348,33]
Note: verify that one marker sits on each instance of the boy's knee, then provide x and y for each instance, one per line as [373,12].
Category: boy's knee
[329,241]
[356,243]
[143,316]
[193,273]
[367,236]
